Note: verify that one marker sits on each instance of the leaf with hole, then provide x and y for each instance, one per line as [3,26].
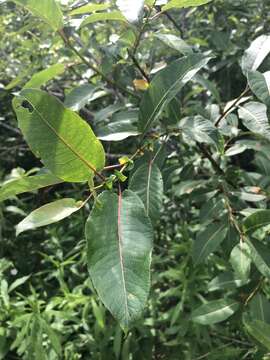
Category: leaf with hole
[65,143]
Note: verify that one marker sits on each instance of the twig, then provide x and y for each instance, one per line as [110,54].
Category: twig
[138,66]
[93,67]
[254,292]
[225,113]
[206,153]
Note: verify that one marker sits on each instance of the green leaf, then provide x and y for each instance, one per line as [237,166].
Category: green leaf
[65,143]
[17,283]
[259,308]
[48,214]
[240,260]
[89,8]
[119,237]
[260,255]
[27,183]
[121,126]
[147,183]
[48,10]
[82,95]
[254,117]
[255,54]
[260,85]
[104,16]
[179,4]
[176,43]
[44,76]
[208,240]
[215,311]
[165,86]
[225,281]
[259,330]
[256,220]
[53,337]
[202,130]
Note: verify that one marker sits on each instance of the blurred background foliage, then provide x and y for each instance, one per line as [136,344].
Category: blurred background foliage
[47,303]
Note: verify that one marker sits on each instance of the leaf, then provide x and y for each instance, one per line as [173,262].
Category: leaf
[17,283]
[260,255]
[175,42]
[254,117]
[131,9]
[147,183]
[119,237]
[104,16]
[208,240]
[48,214]
[82,95]
[27,183]
[240,260]
[184,4]
[214,311]
[259,308]
[259,330]
[44,76]
[260,85]
[65,143]
[48,10]
[225,281]
[53,337]
[256,220]
[121,126]
[202,130]
[255,54]
[89,8]
[165,86]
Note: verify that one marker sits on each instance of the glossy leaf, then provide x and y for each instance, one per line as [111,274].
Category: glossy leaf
[208,240]
[89,8]
[256,53]
[260,255]
[119,237]
[48,214]
[44,76]
[27,183]
[165,86]
[131,9]
[256,220]
[48,10]
[259,330]
[254,117]
[82,95]
[175,42]
[147,183]
[179,4]
[225,281]
[64,142]
[259,308]
[104,16]
[260,85]
[215,311]
[240,260]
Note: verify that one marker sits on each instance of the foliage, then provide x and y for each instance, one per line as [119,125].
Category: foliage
[147,121]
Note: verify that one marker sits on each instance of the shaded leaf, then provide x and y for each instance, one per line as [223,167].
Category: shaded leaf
[119,237]
[215,311]
[256,220]
[175,42]
[259,330]
[260,255]
[165,86]
[147,183]
[259,308]
[27,183]
[260,85]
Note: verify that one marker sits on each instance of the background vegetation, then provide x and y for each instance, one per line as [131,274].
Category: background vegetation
[48,306]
